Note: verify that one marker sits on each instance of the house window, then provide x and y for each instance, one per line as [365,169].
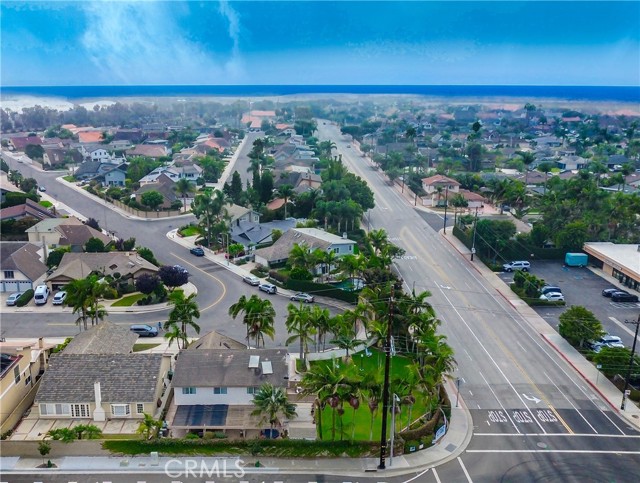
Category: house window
[188,390]
[16,374]
[80,410]
[336,250]
[120,409]
[56,409]
[219,390]
[140,408]
[27,381]
[252,390]
[8,274]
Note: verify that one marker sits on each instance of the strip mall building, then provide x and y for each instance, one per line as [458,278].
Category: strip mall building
[619,261]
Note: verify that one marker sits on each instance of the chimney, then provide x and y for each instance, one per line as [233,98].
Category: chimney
[344,235]
[98,412]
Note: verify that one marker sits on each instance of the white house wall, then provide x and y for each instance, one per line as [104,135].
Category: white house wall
[204,395]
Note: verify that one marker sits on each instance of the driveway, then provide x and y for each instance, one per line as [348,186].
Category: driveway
[581,286]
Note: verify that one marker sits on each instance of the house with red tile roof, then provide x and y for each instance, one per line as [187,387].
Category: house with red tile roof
[90,136]
[438,188]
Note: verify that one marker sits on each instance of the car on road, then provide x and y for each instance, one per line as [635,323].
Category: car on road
[181,268]
[42,189]
[302,297]
[58,299]
[197,251]
[13,298]
[251,280]
[552,297]
[268,287]
[623,297]
[144,330]
[607,292]
[517,265]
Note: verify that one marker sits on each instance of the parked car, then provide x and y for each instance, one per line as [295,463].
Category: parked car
[197,251]
[610,339]
[181,268]
[549,288]
[58,299]
[552,297]
[42,189]
[251,280]
[302,297]
[144,330]
[41,295]
[623,297]
[517,265]
[607,292]
[13,298]
[268,287]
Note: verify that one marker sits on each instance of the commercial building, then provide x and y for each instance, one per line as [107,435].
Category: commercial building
[619,261]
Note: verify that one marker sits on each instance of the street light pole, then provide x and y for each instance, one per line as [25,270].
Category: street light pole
[393,426]
[385,387]
[633,352]
[446,202]
[473,244]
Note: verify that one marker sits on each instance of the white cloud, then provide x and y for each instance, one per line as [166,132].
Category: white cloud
[142,43]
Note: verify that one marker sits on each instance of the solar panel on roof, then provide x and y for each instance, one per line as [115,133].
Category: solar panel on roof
[254,362]
[266,367]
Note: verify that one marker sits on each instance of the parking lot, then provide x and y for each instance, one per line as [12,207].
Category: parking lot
[581,286]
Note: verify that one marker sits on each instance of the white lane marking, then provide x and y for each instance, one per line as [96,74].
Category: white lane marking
[580,435]
[478,406]
[572,451]
[455,309]
[499,402]
[532,398]
[465,351]
[569,401]
[470,393]
[466,473]
[526,329]
[632,333]
[418,475]
[435,473]
[520,345]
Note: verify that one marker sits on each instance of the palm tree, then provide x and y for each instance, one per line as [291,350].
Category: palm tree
[148,427]
[83,296]
[328,259]
[378,239]
[183,187]
[458,201]
[347,343]
[372,388]
[209,209]
[271,403]
[299,326]
[301,257]
[320,320]
[174,333]
[185,309]
[546,169]
[326,148]
[286,192]
[259,317]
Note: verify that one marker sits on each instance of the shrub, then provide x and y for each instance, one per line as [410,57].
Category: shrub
[110,293]
[25,298]
[299,273]
[126,288]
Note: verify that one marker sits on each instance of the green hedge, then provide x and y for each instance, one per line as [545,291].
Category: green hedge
[25,298]
[534,301]
[313,288]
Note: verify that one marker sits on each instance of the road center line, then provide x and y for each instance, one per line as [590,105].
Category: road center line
[571,451]
[569,401]
[499,402]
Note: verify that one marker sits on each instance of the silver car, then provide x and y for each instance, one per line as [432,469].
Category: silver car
[13,298]
[302,297]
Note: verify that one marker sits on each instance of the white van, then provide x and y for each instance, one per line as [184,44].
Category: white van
[41,294]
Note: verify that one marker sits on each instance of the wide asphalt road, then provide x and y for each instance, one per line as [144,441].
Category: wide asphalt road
[510,379]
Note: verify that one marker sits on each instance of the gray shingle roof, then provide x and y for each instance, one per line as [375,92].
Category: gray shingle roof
[105,338]
[124,378]
[228,368]
[23,257]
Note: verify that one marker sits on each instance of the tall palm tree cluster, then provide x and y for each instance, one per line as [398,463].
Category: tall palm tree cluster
[181,317]
[210,210]
[84,296]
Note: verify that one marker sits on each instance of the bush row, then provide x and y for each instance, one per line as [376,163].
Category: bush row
[25,298]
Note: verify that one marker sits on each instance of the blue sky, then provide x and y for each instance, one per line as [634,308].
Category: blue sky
[319,42]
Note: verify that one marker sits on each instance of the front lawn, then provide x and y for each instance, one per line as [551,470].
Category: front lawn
[143,347]
[345,425]
[190,231]
[69,178]
[45,203]
[129,300]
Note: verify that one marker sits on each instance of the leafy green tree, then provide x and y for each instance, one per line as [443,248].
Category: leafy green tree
[185,310]
[34,151]
[55,257]
[173,276]
[235,249]
[493,236]
[152,199]
[66,435]
[147,283]
[266,186]
[28,184]
[286,192]
[474,153]
[148,255]
[579,326]
[573,236]
[174,333]
[236,187]
[271,404]
[615,360]
[44,448]
[95,245]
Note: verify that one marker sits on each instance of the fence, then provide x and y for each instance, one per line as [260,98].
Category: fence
[146,214]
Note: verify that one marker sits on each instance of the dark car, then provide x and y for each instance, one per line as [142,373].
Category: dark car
[197,251]
[607,292]
[623,297]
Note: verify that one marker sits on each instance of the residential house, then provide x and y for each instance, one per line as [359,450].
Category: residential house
[547,142]
[29,209]
[312,238]
[22,266]
[150,151]
[301,181]
[69,232]
[239,213]
[572,163]
[216,340]
[438,188]
[178,170]
[104,338]
[214,389]
[21,367]
[133,136]
[616,161]
[163,185]
[90,136]
[6,186]
[54,157]
[102,386]
[474,200]
[91,169]
[116,176]
[19,143]
[76,266]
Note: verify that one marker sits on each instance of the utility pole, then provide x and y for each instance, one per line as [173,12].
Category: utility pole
[473,244]
[385,387]
[633,352]
[446,203]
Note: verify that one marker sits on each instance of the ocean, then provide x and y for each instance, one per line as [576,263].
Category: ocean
[587,93]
